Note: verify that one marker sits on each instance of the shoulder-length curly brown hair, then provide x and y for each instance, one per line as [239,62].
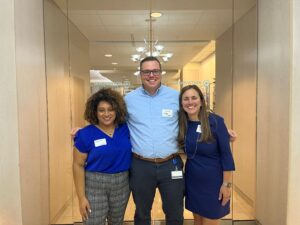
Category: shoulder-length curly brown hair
[203,115]
[108,95]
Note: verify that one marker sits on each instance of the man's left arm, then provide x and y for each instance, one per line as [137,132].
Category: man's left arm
[232,134]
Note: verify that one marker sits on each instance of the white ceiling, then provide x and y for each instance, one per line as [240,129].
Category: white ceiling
[119,26]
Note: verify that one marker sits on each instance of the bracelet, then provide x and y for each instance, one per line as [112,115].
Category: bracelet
[227,184]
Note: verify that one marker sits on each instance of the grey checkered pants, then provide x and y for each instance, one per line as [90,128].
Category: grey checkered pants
[108,195]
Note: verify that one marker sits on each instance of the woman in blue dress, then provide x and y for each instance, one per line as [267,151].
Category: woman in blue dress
[205,140]
[102,157]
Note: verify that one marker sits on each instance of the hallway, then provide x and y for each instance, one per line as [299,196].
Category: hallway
[27,122]
[207,56]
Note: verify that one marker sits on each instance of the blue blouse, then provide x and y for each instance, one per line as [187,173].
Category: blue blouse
[105,154]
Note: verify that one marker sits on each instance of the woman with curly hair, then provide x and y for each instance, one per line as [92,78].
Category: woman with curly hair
[102,157]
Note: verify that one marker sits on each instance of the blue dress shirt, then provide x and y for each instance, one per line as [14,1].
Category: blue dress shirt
[153,121]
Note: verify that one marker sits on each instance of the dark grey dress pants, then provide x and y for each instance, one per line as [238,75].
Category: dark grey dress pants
[145,177]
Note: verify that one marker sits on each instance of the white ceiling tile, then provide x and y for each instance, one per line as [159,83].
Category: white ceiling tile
[85,20]
[216,17]
[116,20]
[110,26]
[183,18]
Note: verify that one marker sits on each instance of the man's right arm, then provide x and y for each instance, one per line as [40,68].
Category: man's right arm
[74,131]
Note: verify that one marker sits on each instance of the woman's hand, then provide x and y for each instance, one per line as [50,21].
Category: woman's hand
[85,209]
[225,194]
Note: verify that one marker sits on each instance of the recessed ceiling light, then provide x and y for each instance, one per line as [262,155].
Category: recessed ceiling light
[156,14]
[108,55]
[114,63]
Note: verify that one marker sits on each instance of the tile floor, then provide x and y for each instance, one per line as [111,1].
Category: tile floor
[190,222]
[241,210]
[186,222]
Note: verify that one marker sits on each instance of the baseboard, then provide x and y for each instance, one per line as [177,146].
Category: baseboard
[61,211]
[243,196]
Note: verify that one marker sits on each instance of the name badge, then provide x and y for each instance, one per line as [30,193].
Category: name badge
[177,174]
[100,142]
[198,129]
[167,113]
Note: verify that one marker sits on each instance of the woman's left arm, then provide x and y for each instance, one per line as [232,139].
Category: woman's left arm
[223,138]
[225,190]
[227,161]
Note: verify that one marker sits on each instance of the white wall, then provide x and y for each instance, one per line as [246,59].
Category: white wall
[67,67]
[198,72]
[10,191]
[208,68]
[24,150]
[208,73]
[273,110]
[244,104]
[236,98]
[293,216]
[32,111]
[191,72]
[79,71]
[59,109]
[223,88]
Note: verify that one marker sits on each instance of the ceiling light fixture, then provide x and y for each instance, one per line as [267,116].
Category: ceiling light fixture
[108,55]
[156,14]
[151,47]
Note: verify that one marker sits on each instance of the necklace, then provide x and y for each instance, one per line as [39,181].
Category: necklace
[109,131]
[196,147]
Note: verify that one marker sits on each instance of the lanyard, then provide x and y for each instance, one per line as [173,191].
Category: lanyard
[175,163]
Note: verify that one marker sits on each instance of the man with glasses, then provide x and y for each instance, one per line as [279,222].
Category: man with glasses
[153,123]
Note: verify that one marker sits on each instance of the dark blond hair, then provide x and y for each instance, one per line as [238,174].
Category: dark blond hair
[108,95]
[206,134]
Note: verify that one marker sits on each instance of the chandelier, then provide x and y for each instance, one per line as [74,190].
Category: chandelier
[151,47]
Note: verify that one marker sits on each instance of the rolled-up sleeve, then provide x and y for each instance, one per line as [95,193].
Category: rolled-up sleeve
[80,142]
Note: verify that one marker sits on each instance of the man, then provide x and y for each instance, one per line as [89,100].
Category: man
[153,124]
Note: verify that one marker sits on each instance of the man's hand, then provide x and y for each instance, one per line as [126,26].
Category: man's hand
[232,134]
[74,131]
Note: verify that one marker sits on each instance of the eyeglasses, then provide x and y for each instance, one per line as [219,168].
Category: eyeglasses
[148,72]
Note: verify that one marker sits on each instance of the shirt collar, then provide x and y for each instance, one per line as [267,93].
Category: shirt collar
[157,91]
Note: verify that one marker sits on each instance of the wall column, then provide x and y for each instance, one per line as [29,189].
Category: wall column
[293,216]
[24,175]
[10,191]
[278,114]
